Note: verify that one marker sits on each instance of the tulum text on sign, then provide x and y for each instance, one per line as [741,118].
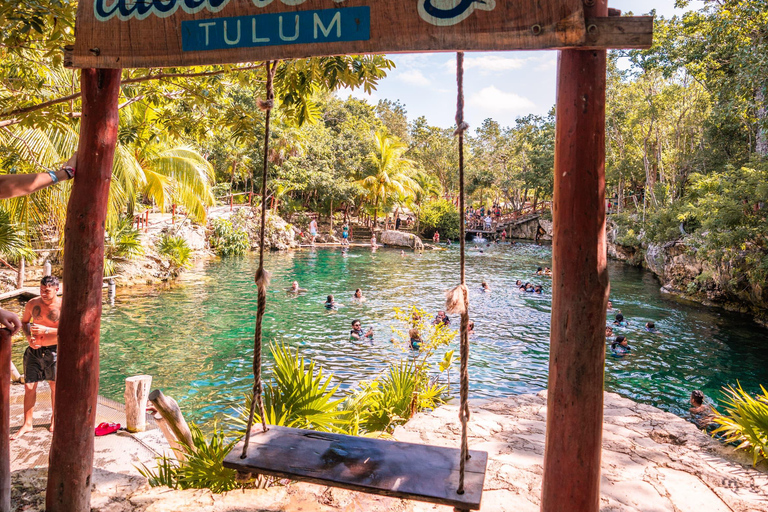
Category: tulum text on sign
[164,33]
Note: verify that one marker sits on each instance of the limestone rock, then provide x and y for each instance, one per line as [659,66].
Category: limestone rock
[400,239]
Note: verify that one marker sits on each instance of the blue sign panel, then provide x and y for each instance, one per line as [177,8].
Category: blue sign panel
[302,27]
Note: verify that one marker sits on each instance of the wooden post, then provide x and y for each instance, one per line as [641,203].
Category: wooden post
[146,221]
[5,421]
[77,383]
[136,395]
[580,285]
[169,410]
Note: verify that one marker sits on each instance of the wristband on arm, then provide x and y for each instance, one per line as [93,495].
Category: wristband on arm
[53,176]
[69,170]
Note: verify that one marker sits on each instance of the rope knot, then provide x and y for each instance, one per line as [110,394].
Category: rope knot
[456,300]
[266,104]
[461,128]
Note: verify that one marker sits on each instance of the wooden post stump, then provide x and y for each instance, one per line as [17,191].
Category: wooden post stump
[579,284]
[5,422]
[20,277]
[170,412]
[15,375]
[136,395]
[77,381]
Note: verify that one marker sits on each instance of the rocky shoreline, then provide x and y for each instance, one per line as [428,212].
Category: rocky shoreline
[653,461]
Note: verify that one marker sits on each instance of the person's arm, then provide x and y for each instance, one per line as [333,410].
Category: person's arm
[369,334]
[25,327]
[353,334]
[15,185]
[10,321]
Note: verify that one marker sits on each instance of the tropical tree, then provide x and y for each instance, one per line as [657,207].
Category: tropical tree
[391,173]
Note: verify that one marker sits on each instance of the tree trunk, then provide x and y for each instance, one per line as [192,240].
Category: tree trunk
[761,144]
[20,276]
[5,421]
[77,383]
[571,478]
[135,396]
[330,218]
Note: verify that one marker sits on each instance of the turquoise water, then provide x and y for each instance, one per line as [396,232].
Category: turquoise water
[196,338]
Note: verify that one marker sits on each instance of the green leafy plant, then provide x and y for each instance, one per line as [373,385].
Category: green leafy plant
[13,242]
[227,240]
[121,243]
[176,250]
[745,421]
[199,466]
[440,215]
[298,395]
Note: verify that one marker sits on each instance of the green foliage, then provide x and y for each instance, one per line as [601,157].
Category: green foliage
[745,421]
[13,242]
[121,244]
[440,215]
[201,466]
[228,240]
[176,250]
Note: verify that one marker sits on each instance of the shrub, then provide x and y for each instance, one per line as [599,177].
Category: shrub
[745,421]
[440,215]
[227,240]
[121,243]
[200,468]
[176,250]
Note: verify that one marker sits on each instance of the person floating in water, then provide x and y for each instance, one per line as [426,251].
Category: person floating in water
[620,346]
[518,283]
[331,304]
[539,271]
[415,337]
[608,331]
[471,327]
[484,287]
[620,320]
[538,289]
[448,241]
[441,318]
[358,296]
[528,288]
[357,332]
[700,414]
[295,288]
[547,271]
[610,305]
[651,327]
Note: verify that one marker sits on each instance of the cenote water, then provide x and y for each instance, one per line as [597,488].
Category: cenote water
[196,338]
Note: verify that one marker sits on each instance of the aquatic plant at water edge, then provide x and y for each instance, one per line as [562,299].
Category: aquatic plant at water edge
[228,240]
[200,466]
[298,395]
[745,421]
[176,250]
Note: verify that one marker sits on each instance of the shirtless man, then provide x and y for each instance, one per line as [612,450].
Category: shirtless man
[40,323]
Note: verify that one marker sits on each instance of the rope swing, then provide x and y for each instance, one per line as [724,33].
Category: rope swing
[457,299]
[262,276]
[388,468]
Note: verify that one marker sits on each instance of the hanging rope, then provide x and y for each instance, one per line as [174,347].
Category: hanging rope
[262,276]
[457,299]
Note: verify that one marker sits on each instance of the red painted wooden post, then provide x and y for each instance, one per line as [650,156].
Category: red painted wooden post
[146,221]
[579,285]
[5,420]
[77,383]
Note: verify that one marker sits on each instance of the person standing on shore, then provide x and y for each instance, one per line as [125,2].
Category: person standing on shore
[40,324]
[313,230]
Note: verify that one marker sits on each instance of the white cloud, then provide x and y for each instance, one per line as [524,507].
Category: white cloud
[413,77]
[488,63]
[494,100]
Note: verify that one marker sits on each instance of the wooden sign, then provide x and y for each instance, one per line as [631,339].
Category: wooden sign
[163,33]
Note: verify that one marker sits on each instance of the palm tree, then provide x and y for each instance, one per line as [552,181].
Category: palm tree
[429,188]
[391,172]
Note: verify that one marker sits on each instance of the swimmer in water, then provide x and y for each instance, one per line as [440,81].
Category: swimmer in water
[701,414]
[547,271]
[484,287]
[529,287]
[402,254]
[471,327]
[610,305]
[608,331]
[295,288]
[620,346]
[331,304]
[518,283]
[651,327]
[415,337]
[539,271]
[358,296]
[538,289]
[441,318]
[620,320]
[357,332]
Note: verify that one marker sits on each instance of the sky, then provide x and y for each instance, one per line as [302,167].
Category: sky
[500,85]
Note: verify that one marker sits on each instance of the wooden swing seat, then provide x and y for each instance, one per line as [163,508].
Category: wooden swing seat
[374,466]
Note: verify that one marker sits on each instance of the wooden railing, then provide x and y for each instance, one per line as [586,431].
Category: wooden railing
[508,217]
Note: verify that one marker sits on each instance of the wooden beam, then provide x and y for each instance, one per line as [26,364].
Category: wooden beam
[627,32]
[579,285]
[170,411]
[135,397]
[77,383]
[5,421]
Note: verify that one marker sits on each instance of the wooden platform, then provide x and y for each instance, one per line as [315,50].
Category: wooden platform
[374,466]
[24,293]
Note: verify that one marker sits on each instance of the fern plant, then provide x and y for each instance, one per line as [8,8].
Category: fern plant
[121,243]
[745,421]
[176,250]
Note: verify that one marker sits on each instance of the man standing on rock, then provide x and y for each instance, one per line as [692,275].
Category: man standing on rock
[40,323]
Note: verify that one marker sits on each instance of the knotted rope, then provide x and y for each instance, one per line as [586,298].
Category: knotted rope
[457,299]
[262,276]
